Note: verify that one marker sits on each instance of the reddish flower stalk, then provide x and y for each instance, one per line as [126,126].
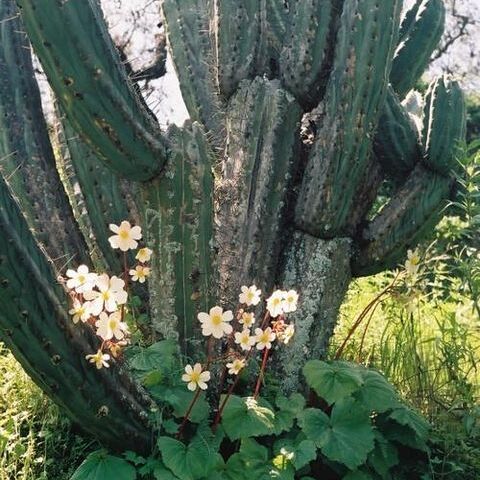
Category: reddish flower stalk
[218,417]
[125,279]
[363,314]
[189,411]
[260,375]
[198,391]
[223,377]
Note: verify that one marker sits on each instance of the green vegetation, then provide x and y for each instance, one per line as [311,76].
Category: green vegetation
[37,441]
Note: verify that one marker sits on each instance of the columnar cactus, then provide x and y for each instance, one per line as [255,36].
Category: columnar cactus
[293,128]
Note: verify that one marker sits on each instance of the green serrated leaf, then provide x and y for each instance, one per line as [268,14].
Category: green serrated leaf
[289,409]
[408,417]
[346,437]
[304,451]
[358,475]
[99,466]
[333,381]
[246,417]
[153,378]
[161,473]
[376,393]
[294,404]
[384,456]
[251,462]
[162,355]
[402,434]
[180,399]
[170,426]
[151,464]
[134,458]
[174,456]
[195,460]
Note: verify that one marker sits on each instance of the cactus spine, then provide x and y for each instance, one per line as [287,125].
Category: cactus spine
[270,182]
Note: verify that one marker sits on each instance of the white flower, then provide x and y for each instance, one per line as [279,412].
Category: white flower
[287,334]
[140,273]
[264,338]
[100,359]
[126,236]
[247,319]
[110,295]
[195,377]
[290,300]
[143,255]
[111,326]
[275,303]
[250,295]
[413,262]
[244,339]
[235,366]
[216,322]
[80,311]
[81,280]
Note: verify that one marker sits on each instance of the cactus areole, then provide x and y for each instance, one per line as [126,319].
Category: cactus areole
[295,122]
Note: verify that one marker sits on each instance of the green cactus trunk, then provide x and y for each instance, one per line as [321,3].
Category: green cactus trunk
[293,128]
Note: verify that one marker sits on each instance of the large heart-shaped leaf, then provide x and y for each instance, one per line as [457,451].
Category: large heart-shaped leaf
[193,461]
[161,355]
[247,417]
[376,393]
[251,462]
[100,466]
[384,456]
[179,398]
[303,451]
[333,381]
[398,433]
[288,409]
[346,437]
[409,418]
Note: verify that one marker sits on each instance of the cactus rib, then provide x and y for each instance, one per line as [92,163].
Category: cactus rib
[419,36]
[413,210]
[84,66]
[34,323]
[396,143]
[304,53]
[238,32]
[178,216]
[355,92]
[262,129]
[188,32]
[104,193]
[444,125]
[27,160]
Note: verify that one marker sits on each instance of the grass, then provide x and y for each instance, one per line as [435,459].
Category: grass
[37,442]
[425,337]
